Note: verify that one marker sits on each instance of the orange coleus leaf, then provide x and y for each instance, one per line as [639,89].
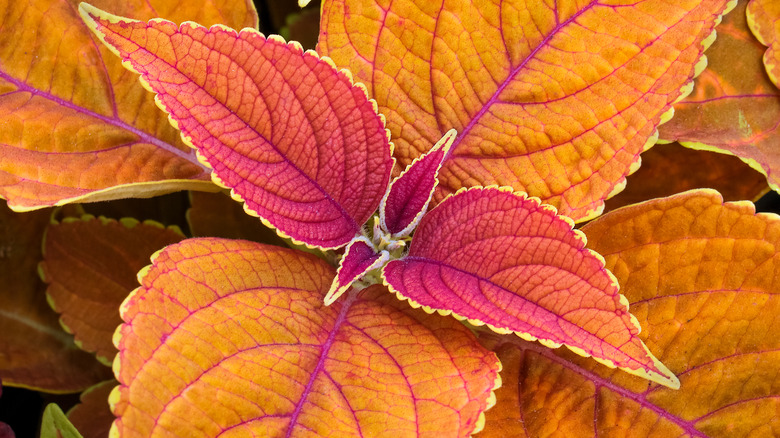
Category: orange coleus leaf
[227,336]
[90,265]
[289,134]
[557,99]
[734,108]
[74,124]
[502,259]
[92,417]
[702,278]
[34,350]
[668,169]
[763,17]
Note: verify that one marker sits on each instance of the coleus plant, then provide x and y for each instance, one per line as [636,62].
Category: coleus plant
[483,105]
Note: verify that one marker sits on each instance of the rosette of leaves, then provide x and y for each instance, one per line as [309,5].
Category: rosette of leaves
[506,128]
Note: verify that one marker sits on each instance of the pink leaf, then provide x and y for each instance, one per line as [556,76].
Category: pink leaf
[289,134]
[359,258]
[505,260]
[409,195]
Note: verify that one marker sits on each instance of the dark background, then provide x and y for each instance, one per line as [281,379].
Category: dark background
[22,408]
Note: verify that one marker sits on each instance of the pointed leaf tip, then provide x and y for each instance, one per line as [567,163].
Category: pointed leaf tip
[290,135]
[359,258]
[508,261]
[408,197]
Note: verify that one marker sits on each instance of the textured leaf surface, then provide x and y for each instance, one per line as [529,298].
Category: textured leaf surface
[232,336]
[92,417]
[501,259]
[55,424]
[702,278]
[74,124]
[556,99]
[408,197]
[90,265]
[668,169]
[764,19]
[734,108]
[34,351]
[287,132]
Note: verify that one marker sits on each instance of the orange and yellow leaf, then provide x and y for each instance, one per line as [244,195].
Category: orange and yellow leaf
[763,17]
[232,336]
[74,124]
[556,99]
[734,107]
[702,278]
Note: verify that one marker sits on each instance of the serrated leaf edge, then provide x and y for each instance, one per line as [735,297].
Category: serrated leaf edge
[665,115]
[667,379]
[85,9]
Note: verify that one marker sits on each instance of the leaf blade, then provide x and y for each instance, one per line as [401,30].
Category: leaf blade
[90,266]
[64,137]
[293,138]
[687,265]
[522,83]
[507,261]
[292,365]
[734,108]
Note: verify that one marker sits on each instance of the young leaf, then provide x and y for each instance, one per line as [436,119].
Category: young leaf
[92,416]
[90,265]
[556,99]
[290,135]
[55,424]
[734,108]
[242,338]
[501,259]
[763,17]
[407,199]
[34,350]
[75,125]
[359,258]
[702,279]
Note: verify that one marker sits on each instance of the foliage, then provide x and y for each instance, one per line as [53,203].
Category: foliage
[405,236]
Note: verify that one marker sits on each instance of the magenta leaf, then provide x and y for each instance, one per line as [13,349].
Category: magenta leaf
[359,258]
[408,197]
[499,258]
[292,137]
